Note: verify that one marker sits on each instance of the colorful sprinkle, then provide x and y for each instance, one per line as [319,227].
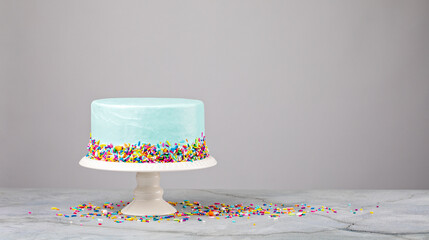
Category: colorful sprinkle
[213,211]
[149,153]
[200,211]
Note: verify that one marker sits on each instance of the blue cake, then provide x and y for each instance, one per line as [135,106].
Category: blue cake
[147,130]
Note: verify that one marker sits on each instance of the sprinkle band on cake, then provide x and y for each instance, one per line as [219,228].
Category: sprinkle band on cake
[149,153]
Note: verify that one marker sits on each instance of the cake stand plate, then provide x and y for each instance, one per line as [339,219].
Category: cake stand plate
[147,167]
[148,199]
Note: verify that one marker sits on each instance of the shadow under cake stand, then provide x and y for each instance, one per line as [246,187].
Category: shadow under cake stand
[148,193]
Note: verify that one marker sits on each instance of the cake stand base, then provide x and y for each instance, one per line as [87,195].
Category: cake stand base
[148,197]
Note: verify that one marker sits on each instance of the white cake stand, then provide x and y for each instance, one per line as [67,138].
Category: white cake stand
[148,193]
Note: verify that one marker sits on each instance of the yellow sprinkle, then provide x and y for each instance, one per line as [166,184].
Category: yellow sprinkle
[54,208]
[371,212]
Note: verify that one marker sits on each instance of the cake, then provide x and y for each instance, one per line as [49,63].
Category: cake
[147,130]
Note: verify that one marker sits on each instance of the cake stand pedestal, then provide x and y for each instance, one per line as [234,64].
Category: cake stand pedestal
[148,199]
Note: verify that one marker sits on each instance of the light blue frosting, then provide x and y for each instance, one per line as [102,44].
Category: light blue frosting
[148,120]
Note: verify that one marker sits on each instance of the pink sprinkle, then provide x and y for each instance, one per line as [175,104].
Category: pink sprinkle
[29,212]
[99,223]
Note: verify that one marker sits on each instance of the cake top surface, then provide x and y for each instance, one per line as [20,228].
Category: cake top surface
[146,102]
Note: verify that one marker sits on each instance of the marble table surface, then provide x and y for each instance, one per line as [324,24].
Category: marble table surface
[402,214]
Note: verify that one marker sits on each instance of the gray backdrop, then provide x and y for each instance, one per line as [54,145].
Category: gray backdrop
[298,94]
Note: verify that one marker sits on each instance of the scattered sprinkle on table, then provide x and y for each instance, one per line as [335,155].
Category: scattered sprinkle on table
[216,211]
